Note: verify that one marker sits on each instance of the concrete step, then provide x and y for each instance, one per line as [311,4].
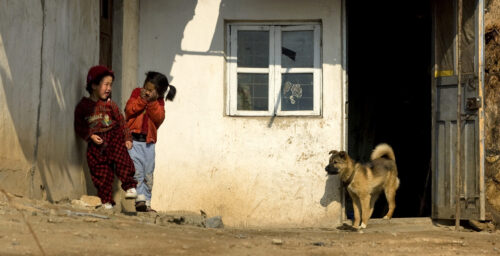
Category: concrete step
[398,225]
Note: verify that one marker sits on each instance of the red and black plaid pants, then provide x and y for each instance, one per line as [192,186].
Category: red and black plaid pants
[107,159]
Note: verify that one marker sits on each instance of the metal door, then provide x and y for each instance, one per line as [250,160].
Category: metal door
[448,69]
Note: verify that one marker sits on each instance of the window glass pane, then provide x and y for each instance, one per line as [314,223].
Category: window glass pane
[253,92]
[445,36]
[297,92]
[297,49]
[253,49]
[468,36]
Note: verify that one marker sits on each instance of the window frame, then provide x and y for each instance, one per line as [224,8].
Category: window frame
[274,69]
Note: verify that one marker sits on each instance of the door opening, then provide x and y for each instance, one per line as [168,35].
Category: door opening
[389,94]
[106,33]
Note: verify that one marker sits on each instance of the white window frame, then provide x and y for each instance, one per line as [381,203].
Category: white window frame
[274,69]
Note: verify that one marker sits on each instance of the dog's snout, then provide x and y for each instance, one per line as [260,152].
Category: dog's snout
[328,168]
[331,170]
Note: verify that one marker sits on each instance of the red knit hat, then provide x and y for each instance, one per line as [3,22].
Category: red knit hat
[99,72]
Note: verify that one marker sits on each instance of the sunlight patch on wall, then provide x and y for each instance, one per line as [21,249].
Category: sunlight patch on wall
[205,16]
[4,62]
[8,133]
[56,86]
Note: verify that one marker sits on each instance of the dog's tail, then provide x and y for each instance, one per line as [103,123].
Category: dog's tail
[383,150]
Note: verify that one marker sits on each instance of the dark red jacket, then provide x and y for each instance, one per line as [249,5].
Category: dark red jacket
[138,109]
[96,117]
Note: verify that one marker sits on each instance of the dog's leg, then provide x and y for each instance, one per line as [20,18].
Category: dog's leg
[390,194]
[372,203]
[357,208]
[365,210]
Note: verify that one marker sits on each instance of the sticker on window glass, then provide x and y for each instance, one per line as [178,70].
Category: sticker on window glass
[297,92]
[294,90]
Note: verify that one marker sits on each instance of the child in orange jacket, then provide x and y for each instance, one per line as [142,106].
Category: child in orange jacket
[145,113]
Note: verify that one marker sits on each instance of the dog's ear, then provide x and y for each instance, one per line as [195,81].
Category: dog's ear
[333,152]
[343,154]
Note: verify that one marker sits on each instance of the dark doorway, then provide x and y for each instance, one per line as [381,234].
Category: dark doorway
[389,94]
[106,33]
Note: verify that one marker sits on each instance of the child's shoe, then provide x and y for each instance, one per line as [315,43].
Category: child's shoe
[107,206]
[141,206]
[131,193]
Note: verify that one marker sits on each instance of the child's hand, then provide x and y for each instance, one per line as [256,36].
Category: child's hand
[96,139]
[153,96]
[128,144]
[143,94]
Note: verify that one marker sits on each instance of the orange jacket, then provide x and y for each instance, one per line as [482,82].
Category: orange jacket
[135,110]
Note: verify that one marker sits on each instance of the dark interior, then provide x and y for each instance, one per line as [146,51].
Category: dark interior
[389,94]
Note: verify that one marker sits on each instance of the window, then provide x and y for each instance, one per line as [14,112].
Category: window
[274,70]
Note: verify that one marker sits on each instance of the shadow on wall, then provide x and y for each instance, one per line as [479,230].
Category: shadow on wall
[58,152]
[13,99]
[16,173]
[19,94]
[42,83]
[154,37]
[331,191]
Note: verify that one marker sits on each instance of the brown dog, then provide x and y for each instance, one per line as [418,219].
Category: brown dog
[365,182]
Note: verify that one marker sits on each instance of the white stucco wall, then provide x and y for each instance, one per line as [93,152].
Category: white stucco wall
[250,172]
[45,52]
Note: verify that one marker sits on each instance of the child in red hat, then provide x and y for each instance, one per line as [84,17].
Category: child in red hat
[99,122]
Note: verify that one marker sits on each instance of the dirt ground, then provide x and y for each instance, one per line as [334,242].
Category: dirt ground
[66,229]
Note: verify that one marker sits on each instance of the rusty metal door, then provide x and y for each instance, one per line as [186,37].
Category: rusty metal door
[451,101]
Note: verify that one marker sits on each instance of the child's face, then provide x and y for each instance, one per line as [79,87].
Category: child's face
[103,90]
[149,89]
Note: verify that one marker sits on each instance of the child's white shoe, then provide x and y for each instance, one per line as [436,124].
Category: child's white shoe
[107,206]
[131,193]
